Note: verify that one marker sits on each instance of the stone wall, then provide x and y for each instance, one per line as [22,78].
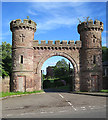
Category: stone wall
[4,84]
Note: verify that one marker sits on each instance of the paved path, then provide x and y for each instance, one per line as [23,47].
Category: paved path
[55,105]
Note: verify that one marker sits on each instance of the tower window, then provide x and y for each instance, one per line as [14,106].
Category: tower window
[94,59]
[21,59]
[93,40]
[22,37]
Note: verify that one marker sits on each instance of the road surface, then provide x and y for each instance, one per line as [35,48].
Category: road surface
[54,105]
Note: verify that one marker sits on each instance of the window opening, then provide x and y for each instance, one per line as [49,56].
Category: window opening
[94,59]
[21,59]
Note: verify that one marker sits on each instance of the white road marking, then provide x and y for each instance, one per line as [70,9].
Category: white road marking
[22,114]
[92,107]
[43,112]
[61,96]
[83,107]
[74,108]
[51,112]
[69,103]
[21,107]
[9,115]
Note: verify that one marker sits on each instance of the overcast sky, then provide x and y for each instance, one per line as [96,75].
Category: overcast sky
[55,20]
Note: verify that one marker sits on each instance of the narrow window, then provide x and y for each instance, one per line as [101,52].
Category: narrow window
[94,59]
[21,59]
[93,40]
[22,37]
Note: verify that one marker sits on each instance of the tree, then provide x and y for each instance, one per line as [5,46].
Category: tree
[61,69]
[6,59]
[104,54]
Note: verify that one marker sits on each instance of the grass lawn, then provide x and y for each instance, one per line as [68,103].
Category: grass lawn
[105,91]
[4,94]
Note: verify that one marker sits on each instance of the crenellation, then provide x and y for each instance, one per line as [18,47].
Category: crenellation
[27,24]
[50,42]
[57,43]
[78,44]
[43,42]
[90,26]
[18,21]
[64,42]
[71,43]
[90,23]
[97,22]
[35,43]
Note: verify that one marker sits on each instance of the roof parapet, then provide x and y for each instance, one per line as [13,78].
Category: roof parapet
[57,43]
[22,24]
[89,25]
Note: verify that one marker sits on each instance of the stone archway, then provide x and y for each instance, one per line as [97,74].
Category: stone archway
[34,55]
[63,54]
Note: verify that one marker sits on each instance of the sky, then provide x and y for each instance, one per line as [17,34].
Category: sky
[55,20]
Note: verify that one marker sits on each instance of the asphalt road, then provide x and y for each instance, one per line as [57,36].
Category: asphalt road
[54,105]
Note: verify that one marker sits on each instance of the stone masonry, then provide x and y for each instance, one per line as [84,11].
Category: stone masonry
[28,56]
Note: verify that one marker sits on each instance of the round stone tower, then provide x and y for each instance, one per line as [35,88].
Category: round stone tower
[22,54]
[90,55]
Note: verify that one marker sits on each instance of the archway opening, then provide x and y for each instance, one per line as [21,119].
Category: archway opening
[57,75]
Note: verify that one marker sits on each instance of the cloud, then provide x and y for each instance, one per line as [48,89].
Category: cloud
[31,12]
[105,31]
[104,44]
[56,23]
[55,15]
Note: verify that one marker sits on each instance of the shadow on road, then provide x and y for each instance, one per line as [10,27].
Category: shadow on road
[56,90]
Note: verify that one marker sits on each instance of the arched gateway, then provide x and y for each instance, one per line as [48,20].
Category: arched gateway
[28,56]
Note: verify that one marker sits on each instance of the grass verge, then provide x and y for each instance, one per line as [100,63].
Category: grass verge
[4,94]
[104,91]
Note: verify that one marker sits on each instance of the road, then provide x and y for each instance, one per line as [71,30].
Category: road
[54,105]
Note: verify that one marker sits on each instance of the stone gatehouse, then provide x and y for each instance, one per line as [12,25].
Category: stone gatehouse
[28,56]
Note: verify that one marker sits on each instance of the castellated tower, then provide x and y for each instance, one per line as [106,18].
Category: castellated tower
[90,55]
[22,54]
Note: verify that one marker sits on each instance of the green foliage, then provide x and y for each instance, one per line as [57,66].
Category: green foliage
[85,19]
[6,64]
[4,94]
[104,54]
[27,17]
[104,91]
[43,76]
[61,69]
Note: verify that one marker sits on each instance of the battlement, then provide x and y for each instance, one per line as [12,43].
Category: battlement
[90,25]
[57,45]
[29,24]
